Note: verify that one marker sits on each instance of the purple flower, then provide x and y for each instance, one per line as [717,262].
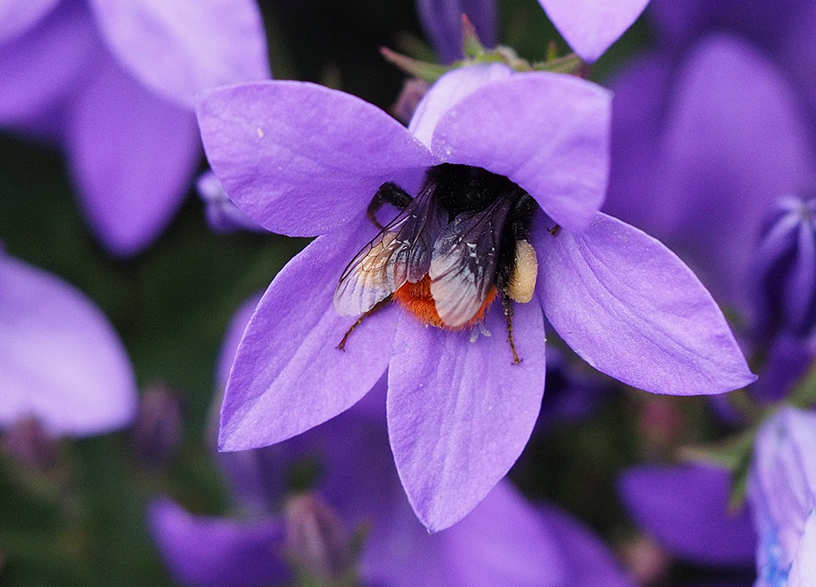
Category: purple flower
[782,491]
[61,362]
[300,159]
[685,508]
[442,21]
[349,473]
[590,26]
[113,82]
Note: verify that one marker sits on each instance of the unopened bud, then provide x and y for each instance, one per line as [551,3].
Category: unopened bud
[316,540]
[157,432]
[223,215]
[785,267]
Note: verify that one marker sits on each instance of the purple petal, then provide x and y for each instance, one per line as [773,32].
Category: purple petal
[459,412]
[43,66]
[501,542]
[547,132]
[132,156]
[60,360]
[631,309]
[641,90]
[301,159]
[803,570]
[450,89]
[589,560]
[235,331]
[18,16]
[442,21]
[288,374]
[182,47]
[591,26]
[504,541]
[218,552]
[686,509]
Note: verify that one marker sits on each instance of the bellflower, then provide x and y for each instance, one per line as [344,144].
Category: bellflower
[504,541]
[300,159]
[782,491]
[61,362]
[112,81]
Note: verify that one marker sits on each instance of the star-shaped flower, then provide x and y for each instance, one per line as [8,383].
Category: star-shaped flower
[304,160]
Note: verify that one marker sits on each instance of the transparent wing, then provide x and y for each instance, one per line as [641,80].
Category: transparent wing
[400,252]
[464,261]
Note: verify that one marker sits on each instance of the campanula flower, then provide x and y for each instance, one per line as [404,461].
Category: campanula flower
[61,362]
[344,466]
[304,160]
[112,82]
[782,492]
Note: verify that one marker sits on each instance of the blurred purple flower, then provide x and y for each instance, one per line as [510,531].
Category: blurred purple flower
[685,508]
[346,464]
[442,21]
[300,159]
[591,26]
[782,492]
[113,82]
[704,142]
[61,362]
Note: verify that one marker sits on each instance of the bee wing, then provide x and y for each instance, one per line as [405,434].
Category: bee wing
[464,261]
[400,252]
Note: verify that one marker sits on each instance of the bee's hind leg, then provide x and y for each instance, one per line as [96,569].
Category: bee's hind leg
[507,306]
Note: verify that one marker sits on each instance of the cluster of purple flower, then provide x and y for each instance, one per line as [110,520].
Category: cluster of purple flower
[374,398]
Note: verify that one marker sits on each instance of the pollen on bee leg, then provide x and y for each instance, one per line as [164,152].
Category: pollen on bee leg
[521,285]
[378,306]
[507,306]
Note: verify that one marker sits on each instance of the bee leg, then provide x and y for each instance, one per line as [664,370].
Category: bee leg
[378,306]
[389,193]
[507,306]
[554,230]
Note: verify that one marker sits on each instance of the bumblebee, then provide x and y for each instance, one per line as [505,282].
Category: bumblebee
[462,242]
